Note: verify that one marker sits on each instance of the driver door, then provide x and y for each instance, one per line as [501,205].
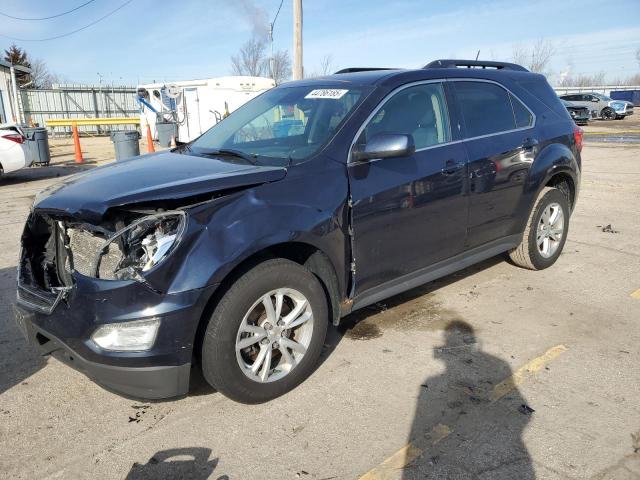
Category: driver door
[408,212]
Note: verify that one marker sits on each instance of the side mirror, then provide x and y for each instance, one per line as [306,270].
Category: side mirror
[384,145]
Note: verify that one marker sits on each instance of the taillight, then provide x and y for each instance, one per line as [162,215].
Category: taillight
[14,137]
[578,135]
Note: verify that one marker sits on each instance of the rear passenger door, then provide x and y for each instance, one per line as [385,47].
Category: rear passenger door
[501,144]
[408,212]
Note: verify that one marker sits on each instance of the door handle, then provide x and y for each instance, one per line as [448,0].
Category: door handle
[529,143]
[451,167]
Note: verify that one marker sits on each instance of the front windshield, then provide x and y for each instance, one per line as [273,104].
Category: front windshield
[603,97]
[282,126]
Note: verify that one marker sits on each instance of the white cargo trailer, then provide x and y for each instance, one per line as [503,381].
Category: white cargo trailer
[196,105]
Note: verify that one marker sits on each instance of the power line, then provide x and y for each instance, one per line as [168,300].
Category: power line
[276,17]
[50,17]
[68,33]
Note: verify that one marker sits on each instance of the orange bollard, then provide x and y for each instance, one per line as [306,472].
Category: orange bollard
[76,143]
[150,148]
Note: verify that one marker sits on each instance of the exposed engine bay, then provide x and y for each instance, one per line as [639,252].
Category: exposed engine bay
[53,248]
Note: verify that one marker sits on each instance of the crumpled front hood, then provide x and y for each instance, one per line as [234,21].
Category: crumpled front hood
[160,176]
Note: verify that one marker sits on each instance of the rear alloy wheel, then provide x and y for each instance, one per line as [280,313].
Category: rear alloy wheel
[608,113]
[266,333]
[546,232]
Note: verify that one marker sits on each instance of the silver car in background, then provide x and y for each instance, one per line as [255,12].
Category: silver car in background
[601,106]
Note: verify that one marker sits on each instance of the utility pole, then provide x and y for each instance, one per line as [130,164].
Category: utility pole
[272,60]
[297,40]
[17,113]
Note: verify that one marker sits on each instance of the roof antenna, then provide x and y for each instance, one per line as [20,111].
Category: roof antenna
[477,55]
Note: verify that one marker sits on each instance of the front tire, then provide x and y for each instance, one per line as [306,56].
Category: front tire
[608,113]
[546,231]
[266,334]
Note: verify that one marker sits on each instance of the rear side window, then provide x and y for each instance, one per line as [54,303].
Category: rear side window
[522,114]
[486,108]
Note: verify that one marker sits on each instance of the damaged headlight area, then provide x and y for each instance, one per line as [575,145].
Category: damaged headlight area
[129,252]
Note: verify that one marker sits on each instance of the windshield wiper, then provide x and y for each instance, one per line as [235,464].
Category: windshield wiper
[249,157]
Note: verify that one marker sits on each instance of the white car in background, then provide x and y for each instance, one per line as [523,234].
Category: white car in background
[13,151]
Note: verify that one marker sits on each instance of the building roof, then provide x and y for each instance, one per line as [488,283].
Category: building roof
[20,68]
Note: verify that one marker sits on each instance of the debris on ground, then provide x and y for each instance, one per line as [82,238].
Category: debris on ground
[607,229]
[525,409]
[141,410]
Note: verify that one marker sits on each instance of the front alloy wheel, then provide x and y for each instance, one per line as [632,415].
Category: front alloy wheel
[266,333]
[274,335]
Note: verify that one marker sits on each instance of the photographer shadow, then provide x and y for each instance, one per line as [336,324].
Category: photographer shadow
[470,419]
[191,463]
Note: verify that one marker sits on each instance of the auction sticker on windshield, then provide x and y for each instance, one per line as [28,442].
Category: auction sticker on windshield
[334,93]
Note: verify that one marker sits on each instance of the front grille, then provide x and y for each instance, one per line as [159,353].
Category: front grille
[84,247]
[37,299]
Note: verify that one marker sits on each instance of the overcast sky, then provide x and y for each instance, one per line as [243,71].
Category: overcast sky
[150,40]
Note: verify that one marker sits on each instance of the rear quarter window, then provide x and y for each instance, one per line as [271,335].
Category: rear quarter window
[523,115]
[539,88]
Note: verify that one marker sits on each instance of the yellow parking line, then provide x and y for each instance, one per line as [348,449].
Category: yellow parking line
[403,457]
[519,376]
[388,469]
[636,294]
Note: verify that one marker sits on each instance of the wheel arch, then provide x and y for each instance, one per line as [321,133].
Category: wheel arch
[566,184]
[302,253]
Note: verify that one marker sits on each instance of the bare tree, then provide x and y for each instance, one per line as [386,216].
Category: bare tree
[41,77]
[583,80]
[633,79]
[536,58]
[325,68]
[281,66]
[251,59]
[326,65]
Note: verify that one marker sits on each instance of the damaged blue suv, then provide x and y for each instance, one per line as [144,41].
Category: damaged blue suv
[234,252]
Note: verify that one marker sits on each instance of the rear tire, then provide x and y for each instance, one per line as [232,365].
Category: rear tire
[546,232]
[243,331]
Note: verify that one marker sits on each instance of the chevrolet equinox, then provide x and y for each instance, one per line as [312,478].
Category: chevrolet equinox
[235,251]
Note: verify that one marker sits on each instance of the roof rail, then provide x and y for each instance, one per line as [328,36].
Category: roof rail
[361,69]
[484,64]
